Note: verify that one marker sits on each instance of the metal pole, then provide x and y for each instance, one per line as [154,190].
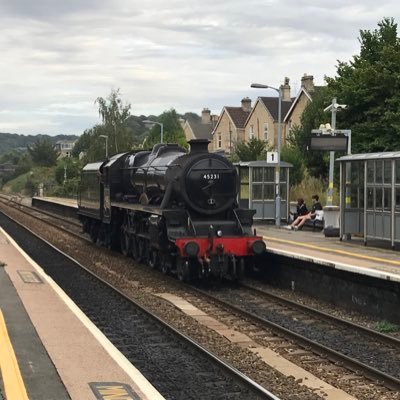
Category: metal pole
[331,156]
[106,147]
[278,168]
[162,132]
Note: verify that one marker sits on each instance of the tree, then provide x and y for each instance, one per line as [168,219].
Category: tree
[173,131]
[313,116]
[294,156]
[369,84]
[43,153]
[251,150]
[67,169]
[114,115]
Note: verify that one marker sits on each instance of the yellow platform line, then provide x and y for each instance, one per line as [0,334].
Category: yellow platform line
[326,249]
[12,380]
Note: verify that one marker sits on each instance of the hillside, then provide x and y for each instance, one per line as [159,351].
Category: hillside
[9,141]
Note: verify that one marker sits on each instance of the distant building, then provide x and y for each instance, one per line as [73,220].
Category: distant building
[202,128]
[262,122]
[230,127]
[64,148]
[240,124]
[303,98]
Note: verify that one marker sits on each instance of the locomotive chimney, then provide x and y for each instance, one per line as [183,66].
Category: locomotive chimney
[198,145]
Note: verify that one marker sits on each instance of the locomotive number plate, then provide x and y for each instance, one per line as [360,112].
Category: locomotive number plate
[211,177]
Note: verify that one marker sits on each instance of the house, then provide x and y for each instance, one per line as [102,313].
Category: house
[262,122]
[293,116]
[64,148]
[230,127]
[200,129]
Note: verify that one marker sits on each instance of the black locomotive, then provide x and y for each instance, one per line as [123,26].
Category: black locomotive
[171,209]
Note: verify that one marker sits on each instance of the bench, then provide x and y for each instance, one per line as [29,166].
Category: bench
[317,222]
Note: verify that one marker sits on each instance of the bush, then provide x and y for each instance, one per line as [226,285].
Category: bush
[295,157]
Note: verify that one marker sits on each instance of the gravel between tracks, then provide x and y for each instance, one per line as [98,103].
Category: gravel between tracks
[139,283]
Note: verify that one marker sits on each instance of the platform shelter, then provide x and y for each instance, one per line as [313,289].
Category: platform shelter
[370,196]
[257,188]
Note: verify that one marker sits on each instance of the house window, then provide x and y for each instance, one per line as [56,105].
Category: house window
[219,141]
[266,131]
[251,134]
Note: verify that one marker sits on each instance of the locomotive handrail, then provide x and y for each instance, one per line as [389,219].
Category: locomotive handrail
[238,219]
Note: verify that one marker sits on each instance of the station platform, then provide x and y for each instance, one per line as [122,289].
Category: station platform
[49,350]
[376,260]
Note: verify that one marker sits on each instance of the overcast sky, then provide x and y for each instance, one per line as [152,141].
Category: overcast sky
[57,57]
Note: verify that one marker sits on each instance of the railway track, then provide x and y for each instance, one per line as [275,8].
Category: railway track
[176,365]
[362,350]
[288,320]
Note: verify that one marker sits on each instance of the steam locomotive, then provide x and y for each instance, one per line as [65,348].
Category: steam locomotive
[171,209]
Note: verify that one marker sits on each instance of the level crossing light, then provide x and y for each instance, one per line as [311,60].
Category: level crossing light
[152,123]
[278,167]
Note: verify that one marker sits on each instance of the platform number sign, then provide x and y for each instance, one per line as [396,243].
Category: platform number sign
[272,157]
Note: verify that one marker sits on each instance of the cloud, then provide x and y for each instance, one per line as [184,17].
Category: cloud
[58,57]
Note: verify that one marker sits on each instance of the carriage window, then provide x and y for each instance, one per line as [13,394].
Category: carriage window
[378,199]
[387,171]
[378,171]
[269,175]
[387,199]
[397,207]
[283,191]
[257,191]
[283,173]
[370,198]
[370,171]
[354,172]
[257,174]
[269,193]
[397,168]
[244,175]
[354,196]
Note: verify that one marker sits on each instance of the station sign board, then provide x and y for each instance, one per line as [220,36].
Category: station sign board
[329,143]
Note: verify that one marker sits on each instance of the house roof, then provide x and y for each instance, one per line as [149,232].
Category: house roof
[238,116]
[296,99]
[272,104]
[201,130]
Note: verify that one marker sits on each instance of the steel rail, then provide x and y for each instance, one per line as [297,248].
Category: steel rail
[387,339]
[389,381]
[254,386]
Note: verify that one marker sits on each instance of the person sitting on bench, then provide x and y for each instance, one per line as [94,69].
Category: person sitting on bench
[301,220]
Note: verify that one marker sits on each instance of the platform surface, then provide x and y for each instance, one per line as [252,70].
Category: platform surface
[60,354]
[375,259]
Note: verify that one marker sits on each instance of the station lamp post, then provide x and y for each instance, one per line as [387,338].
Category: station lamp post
[152,123]
[105,137]
[278,149]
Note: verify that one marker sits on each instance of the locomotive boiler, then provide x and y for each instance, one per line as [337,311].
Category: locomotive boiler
[174,210]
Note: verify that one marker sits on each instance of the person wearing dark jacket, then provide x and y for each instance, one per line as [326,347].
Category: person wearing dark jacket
[301,220]
[301,208]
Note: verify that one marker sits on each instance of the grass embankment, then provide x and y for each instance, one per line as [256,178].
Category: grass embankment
[28,183]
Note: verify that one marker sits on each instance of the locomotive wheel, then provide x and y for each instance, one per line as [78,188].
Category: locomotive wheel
[154,259]
[142,250]
[135,249]
[240,271]
[182,270]
[125,243]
